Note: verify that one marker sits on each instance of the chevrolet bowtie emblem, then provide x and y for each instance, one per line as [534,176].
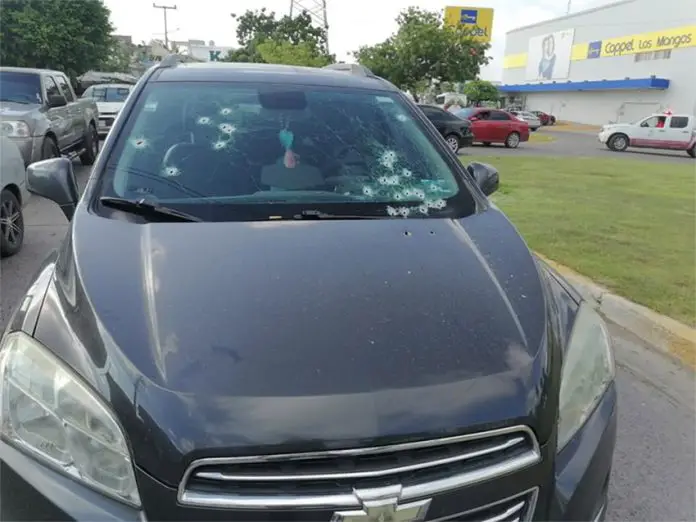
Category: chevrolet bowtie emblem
[382,505]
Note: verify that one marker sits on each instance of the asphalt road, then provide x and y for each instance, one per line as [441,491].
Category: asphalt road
[654,472]
[567,143]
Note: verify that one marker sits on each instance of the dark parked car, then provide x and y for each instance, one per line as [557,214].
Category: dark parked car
[305,308]
[456,131]
[546,119]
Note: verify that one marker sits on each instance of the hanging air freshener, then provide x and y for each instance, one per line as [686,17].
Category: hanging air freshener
[287,138]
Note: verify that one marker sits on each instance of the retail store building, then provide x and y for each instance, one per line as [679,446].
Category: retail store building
[610,64]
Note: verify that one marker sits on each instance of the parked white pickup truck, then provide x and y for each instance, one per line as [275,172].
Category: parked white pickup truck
[657,131]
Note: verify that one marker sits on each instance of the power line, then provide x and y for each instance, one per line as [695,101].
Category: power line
[164,9]
[316,10]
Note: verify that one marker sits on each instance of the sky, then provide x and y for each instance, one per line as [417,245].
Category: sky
[352,23]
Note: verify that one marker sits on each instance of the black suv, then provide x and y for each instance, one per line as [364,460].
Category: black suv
[282,297]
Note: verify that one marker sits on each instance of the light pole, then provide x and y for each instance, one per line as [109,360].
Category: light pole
[569,4]
[164,9]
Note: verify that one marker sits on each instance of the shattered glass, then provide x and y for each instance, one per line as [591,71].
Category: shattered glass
[220,143]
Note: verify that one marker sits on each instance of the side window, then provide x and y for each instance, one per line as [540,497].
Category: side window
[499,116]
[654,121]
[51,87]
[679,122]
[483,115]
[63,84]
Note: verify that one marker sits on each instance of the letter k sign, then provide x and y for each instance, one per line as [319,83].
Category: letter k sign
[214,55]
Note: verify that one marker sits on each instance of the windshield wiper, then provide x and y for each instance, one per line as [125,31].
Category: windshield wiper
[142,207]
[317,214]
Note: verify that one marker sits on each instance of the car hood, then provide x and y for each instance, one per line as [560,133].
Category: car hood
[12,110]
[238,337]
[109,107]
[616,126]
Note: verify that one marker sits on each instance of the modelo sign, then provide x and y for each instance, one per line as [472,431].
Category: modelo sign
[647,42]
[479,20]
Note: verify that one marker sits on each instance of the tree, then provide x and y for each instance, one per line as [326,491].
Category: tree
[73,36]
[119,59]
[425,48]
[286,53]
[478,91]
[259,26]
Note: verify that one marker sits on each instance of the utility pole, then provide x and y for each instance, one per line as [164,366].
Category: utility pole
[164,9]
[569,4]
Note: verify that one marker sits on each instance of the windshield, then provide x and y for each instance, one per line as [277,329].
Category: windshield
[20,87]
[107,94]
[231,151]
[464,113]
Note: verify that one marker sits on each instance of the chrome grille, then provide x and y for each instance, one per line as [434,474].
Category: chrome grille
[517,509]
[328,479]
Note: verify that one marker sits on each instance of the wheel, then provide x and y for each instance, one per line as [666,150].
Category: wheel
[89,156]
[533,129]
[512,140]
[11,224]
[618,142]
[692,151]
[49,149]
[452,142]
[486,143]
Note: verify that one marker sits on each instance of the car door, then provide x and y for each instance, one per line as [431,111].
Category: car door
[58,117]
[482,127]
[72,108]
[677,132]
[501,125]
[646,134]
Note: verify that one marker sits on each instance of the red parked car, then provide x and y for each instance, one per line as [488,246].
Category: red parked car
[495,126]
[546,119]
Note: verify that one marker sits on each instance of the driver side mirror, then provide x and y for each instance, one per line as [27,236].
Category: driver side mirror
[485,175]
[57,100]
[54,179]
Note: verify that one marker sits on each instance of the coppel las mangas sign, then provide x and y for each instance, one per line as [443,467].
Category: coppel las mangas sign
[642,43]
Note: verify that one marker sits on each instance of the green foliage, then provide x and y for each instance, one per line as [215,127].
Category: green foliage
[424,48]
[281,34]
[480,91]
[73,36]
[286,53]
[119,58]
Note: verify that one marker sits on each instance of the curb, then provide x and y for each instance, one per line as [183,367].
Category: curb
[659,331]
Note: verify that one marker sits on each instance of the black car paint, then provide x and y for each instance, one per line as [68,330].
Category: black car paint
[108,330]
[448,124]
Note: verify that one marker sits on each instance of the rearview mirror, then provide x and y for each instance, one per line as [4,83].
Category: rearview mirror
[57,100]
[54,179]
[485,175]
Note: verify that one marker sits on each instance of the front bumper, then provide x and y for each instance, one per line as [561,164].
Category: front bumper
[603,136]
[466,141]
[571,486]
[106,121]
[30,148]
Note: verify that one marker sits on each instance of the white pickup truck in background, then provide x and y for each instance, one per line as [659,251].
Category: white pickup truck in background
[665,131]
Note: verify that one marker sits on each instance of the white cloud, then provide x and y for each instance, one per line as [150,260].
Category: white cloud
[352,23]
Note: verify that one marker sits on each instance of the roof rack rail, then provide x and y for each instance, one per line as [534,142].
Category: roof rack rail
[171,60]
[352,68]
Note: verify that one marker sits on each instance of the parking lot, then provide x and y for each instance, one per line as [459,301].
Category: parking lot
[570,143]
[653,475]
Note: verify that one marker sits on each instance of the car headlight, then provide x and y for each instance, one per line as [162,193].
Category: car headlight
[588,370]
[15,129]
[47,411]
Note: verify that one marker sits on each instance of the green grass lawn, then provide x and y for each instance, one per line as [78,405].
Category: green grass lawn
[629,225]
